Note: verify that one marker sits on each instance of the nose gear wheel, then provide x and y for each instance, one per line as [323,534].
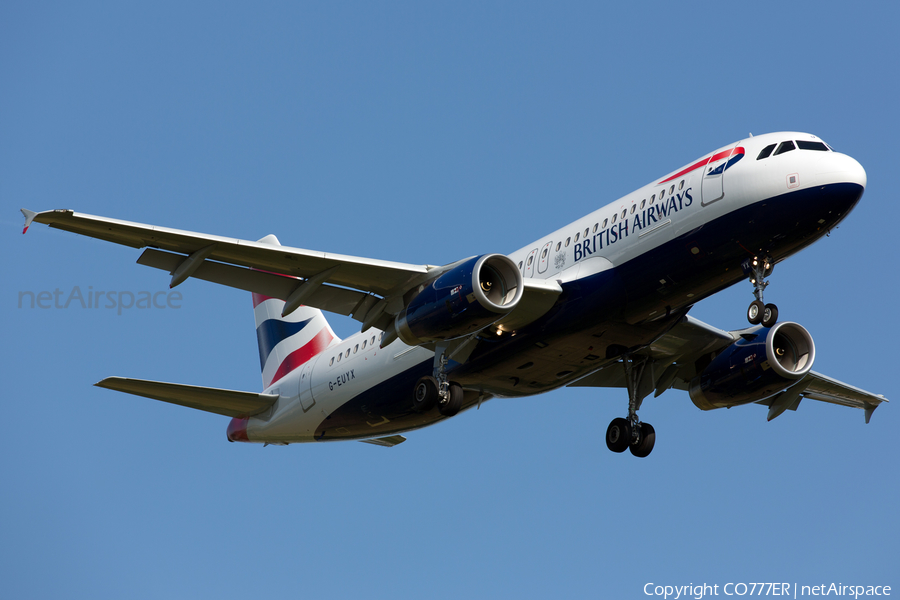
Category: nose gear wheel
[759,312]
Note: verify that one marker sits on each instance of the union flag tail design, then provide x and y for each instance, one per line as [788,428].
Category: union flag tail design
[286,343]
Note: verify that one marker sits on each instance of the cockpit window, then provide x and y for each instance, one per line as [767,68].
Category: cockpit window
[766,152]
[806,145]
[785,147]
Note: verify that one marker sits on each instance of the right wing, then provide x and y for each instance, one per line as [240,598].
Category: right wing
[675,355]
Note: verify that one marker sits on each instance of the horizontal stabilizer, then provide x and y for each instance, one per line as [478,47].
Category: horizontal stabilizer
[230,403]
[389,441]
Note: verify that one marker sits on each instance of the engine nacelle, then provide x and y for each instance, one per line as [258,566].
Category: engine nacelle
[759,365]
[470,296]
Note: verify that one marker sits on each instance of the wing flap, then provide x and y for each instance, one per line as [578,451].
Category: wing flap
[826,389]
[326,297]
[230,403]
[538,297]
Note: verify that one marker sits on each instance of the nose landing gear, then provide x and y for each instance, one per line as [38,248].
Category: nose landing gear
[630,433]
[759,312]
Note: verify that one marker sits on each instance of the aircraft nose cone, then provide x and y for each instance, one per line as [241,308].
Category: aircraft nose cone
[840,168]
[237,430]
[857,173]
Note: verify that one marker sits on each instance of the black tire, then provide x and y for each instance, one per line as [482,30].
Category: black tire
[770,315]
[454,403]
[618,435]
[755,312]
[646,442]
[425,394]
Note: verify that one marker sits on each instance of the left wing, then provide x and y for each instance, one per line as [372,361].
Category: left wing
[369,290]
[674,356]
[377,276]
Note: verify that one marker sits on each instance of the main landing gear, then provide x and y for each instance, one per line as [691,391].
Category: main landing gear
[438,390]
[759,312]
[630,433]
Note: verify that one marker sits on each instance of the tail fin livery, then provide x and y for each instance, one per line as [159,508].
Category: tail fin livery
[286,343]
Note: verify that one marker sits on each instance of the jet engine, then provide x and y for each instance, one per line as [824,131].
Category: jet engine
[468,297]
[762,363]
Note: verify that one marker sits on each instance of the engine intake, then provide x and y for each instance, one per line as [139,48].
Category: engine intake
[470,296]
[762,363]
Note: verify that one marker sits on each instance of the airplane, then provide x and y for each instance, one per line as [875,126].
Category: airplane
[601,302]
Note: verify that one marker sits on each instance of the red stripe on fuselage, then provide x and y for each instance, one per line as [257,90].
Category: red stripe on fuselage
[303,354]
[704,162]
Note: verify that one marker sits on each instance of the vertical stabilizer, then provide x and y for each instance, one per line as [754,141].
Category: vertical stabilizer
[286,343]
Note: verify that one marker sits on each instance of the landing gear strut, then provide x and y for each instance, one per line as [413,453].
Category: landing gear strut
[630,433]
[449,396]
[759,312]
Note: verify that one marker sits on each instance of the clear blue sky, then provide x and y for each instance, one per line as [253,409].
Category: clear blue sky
[423,133]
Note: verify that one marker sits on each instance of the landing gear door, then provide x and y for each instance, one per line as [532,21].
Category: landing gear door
[712,187]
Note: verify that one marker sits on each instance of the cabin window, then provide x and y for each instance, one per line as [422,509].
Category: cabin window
[558,246]
[643,203]
[784,147]
[605,223]
[613,220]
[681,184]
[530,260]
[652,198]
[672,189]
[662,193]
[355,349]
[577,236]
[633,207]
[805,145]
[624,212]
[520,264]
[348,352]
[339,357]
[544,253]
[596,227]
[364,344]
[766,152]
[567,242]
[332,361]
[586,232]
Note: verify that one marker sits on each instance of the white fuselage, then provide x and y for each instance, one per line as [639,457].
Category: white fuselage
[650,219]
